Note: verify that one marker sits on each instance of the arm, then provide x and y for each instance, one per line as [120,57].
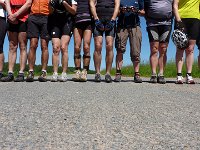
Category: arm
[93,9]
[23,9]
[175,11]
[71,9]
[2,3]
[8,8]
[116,10]
[141,11]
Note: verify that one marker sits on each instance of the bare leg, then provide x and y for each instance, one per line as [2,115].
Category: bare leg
[98,41]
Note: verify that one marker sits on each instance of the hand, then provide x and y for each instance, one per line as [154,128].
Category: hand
[110,25]
[12,18]
[99,25]
[180,25]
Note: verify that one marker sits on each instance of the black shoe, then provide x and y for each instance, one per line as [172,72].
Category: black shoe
[117,77]
[137,78]
[97,77]
[108,78]
[8,78]
[43,77]
[153,79]
[30,77]
[19,78]
[1,75]
[161,80]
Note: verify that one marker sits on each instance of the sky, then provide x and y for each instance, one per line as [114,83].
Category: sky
[145,51]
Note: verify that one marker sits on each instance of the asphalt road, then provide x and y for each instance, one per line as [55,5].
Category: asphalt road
[99,116]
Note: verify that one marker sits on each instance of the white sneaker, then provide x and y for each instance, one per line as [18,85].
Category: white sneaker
[54,77]
[63,77]
[83,77]
[77,75]
[189,80]
[179,80]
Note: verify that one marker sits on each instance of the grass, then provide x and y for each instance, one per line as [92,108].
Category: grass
[38,68]
[145,70]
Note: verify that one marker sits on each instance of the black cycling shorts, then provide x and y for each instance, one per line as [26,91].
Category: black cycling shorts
[60,24]
[2,32]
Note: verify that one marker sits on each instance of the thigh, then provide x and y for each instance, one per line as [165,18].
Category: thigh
[22,26]
[121,39]
[164,33]
[87,37]
[65,39]
[44,34]
[191,27]
[2,32]
[13,39]
[153,34]
[135,35]
[78,35]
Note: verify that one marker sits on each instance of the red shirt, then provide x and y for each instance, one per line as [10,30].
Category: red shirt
[15,6]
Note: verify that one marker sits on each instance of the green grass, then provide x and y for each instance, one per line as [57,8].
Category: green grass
[145,70]
[38,68]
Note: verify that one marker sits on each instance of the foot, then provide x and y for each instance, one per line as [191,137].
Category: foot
[54,77]
[108,78]
[63,77]
[43,77]
[30,77]
[153,79]
[137,78]
[97,77]
[179,80]
[117,77]
[189,80]
[161,79]
[76,77]
[19,78]
[8,78]
[83,76]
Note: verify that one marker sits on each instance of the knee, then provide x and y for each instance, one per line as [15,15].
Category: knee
[190,50]
[86,48]
[163,51]
[154,50]
[56,50]
[135,58]
[109,46]
[77,50]
[33,46]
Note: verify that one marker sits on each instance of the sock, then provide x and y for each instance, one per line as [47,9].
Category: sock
[179,74]
[189,74]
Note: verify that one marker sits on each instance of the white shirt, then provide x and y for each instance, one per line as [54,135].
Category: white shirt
[74,2]
[2,12]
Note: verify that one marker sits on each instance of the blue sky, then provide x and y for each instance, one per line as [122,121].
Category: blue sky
[145,52]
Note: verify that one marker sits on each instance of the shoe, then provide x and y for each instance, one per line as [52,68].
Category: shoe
[137,78]
[118,77]
[76,77]
[43,77]
[83,76]
[63,77]
[8,78]
[97,77]
[161,79]
[108,78]
[153,79]
[189,80]
[30,77]
[54,77]
[1,75]
[19,78]
[179,80]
